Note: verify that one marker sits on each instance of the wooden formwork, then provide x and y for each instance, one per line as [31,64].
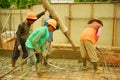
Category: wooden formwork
[112,58]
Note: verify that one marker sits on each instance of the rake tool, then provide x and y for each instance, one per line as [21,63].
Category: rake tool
[52,65]
[57,67]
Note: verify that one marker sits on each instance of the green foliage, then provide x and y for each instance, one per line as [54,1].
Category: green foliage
[5,4]
[21,4]
[18,3]
[27,3]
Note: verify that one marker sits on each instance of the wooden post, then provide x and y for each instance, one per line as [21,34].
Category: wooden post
[114,27]
[0,40]
[63,28]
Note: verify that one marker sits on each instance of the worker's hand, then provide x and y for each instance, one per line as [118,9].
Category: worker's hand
[44,6]
[44,55]
[56,18]
[19,47]
[38,51]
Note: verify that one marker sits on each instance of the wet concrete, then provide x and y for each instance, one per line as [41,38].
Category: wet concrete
[66,68]
[71,70]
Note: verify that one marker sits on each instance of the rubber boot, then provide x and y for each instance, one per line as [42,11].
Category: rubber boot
[85,67]
[36,66]
[13,63]
[46,60]
[97,69]
[38,57]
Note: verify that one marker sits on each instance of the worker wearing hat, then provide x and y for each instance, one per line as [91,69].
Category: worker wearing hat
[22,34]
[36,43]
[88,39]
[48,48]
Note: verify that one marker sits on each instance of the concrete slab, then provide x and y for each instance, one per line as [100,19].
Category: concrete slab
[72,71]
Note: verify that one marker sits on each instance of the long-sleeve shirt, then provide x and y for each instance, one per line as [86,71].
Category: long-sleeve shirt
[37,39]
[23,30]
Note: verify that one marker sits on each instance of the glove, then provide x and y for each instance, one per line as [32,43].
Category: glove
[56,18]
[44,55]
[19,47]
[44,6]
[38,51]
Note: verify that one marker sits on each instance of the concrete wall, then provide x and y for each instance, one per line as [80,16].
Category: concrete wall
[10,18]
[75,17]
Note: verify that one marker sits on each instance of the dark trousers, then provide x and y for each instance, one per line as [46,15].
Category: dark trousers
[16,52]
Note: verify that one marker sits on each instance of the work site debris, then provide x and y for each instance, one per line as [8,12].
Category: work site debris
[7,40]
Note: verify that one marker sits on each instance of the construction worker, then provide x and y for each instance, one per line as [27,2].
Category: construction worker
[36,43]
[88,39]
[22,34]
[48,48]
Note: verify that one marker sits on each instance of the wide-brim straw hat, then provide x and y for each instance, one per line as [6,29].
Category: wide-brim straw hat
[95,19]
